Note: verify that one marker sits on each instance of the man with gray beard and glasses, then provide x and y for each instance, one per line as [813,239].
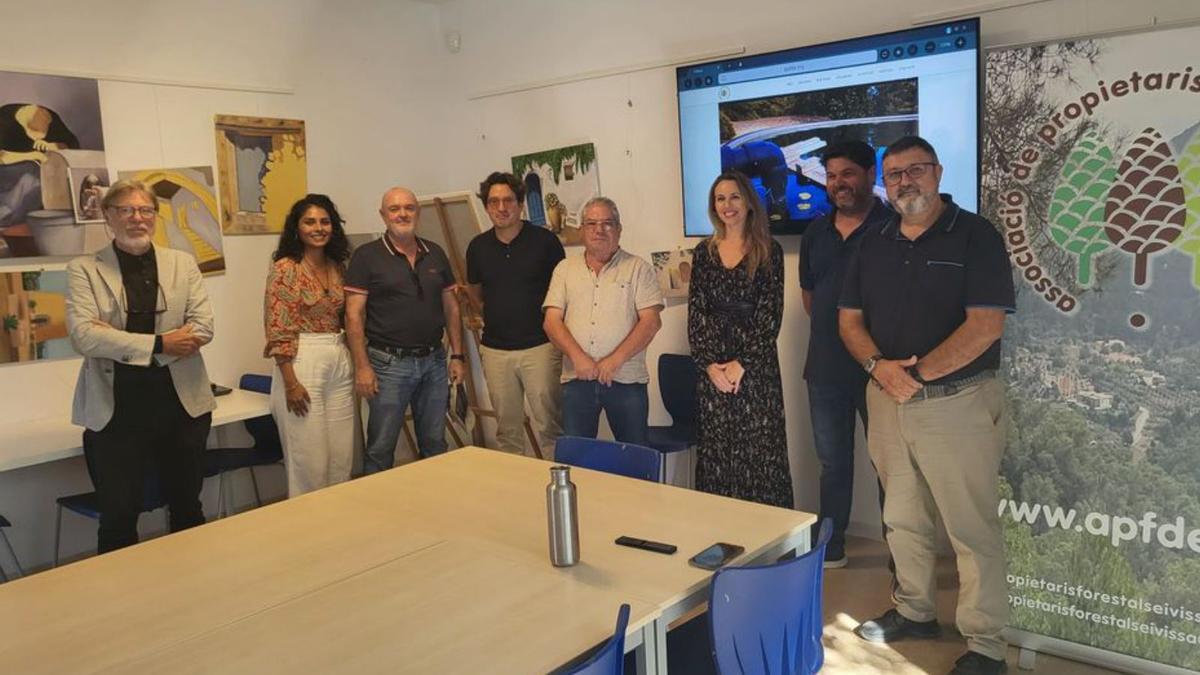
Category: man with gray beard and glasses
[922,309]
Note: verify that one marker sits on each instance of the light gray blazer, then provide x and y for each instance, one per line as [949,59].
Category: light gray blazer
[95,296]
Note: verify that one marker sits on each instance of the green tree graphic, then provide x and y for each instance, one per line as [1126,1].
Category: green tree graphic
[1076,213]
[1189,173]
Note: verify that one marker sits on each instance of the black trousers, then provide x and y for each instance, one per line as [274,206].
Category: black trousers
[150,444]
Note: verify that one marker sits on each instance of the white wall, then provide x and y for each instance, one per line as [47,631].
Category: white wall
[386,103]
[345,89]
[632,120]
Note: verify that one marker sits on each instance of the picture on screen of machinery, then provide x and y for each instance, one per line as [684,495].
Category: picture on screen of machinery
[777,141]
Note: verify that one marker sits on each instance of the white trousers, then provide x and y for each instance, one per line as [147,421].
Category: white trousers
[318,449]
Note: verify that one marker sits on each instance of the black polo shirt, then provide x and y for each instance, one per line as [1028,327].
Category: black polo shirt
[404,305]
[824,257]
[514,277]
[914,294]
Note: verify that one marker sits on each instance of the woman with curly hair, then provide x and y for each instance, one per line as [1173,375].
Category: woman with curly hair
[312,392]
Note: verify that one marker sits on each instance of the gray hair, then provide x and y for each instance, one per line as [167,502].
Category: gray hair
[121,187]
[601,201]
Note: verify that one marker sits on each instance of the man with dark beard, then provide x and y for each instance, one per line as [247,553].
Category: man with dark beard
[922,309]
[837,385]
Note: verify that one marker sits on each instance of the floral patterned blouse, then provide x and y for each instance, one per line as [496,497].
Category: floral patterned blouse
[297,303]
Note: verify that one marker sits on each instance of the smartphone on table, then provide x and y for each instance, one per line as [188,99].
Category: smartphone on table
[716,556]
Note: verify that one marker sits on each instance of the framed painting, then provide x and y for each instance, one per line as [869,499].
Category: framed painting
[262,169]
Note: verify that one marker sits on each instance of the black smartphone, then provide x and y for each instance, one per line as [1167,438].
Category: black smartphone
[716,556]
[219,390]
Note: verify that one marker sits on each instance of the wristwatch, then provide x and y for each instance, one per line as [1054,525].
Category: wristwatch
[871,362]
[457,357]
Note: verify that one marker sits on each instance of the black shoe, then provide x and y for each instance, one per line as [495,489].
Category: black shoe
[892,626]
[974,663]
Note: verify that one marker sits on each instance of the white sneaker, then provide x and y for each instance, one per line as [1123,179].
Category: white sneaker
[837,563]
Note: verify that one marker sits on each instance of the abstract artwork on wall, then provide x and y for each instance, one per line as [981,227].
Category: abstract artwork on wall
[674,271]
[33,314]
[262,170]
[188,218]
[48,126]
[557,184]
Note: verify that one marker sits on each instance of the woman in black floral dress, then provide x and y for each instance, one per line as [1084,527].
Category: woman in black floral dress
[735,307]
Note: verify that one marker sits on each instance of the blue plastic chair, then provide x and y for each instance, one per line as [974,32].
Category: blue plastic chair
[267,448]
[87,504]
[610,660]
[623,459]
[767,620]
[677,385]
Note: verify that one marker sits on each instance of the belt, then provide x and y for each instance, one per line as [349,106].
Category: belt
[402,352]
[931,391]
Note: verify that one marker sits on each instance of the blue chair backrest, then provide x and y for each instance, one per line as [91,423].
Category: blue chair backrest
[610,660]
[677,383]
[767,620]
[623,459]
[263,429]
[259,383]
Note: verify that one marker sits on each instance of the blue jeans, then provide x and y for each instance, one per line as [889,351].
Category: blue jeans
[422,381]
[832,408]
[627,407]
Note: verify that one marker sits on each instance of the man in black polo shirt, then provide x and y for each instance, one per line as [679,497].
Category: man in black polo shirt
[837,385]
[508,270]
[922,310]
[399,300]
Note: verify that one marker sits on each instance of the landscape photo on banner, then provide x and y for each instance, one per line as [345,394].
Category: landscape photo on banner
[262,169]
[1091,171]
[49,127]
[188,218]
[557,184]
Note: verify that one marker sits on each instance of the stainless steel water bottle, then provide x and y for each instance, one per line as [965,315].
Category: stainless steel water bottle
[562,517]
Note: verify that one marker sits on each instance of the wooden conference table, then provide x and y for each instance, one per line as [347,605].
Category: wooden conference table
[437,566]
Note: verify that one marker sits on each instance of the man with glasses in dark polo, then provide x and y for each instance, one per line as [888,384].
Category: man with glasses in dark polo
[399,300]
[922,309]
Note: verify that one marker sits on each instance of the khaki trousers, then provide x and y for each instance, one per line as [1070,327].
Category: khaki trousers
[515,376]
[941,457]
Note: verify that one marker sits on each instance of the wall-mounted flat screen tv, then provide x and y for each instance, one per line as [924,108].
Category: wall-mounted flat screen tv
[770,116]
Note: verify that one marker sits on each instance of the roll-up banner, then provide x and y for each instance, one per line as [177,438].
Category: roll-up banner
[1091,170]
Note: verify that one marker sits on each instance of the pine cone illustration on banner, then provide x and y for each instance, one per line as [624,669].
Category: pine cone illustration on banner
[1189,174]
[1077,206]
[1145,210]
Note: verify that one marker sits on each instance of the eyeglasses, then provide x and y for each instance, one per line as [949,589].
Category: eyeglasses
[127,211]
[160,304]
[914,171]
[600,224]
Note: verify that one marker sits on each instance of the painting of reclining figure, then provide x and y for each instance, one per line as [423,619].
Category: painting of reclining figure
[262,169]
[49,126]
